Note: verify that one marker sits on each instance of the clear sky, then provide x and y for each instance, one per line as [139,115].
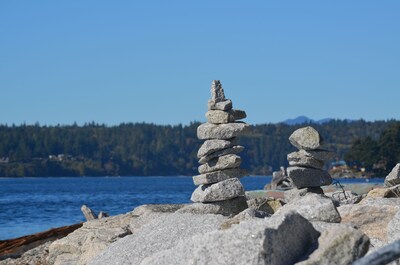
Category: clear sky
[153,61]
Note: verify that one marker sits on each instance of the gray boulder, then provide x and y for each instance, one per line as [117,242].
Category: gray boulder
[372,216]
[306,138]
[338,245]
[393,178]
[37,256]
[156,208]
[234,150]
[222,105]
[299,159]
[217,176]
[92,238]
[221,131]
[303,177]
[389,254]
[279,240]
[393,228]
[224,190]
[145,213]
[219,116]
[313,207]
[211,146]
[220,163]
[226,208]
[247,214]
[159,233]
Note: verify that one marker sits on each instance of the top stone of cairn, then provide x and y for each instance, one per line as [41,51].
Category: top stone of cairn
[306,138]
[218,100]
[217,92]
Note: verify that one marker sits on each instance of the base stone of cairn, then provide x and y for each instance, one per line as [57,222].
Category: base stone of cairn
[306,165]
[219,190]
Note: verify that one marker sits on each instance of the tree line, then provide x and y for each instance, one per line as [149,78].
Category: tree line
[141,149]
[377,154]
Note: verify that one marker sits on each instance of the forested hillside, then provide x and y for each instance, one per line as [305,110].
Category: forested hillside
[378,154]
[145,149]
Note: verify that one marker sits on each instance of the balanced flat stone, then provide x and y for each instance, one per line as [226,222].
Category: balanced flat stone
[221,131]
[224,190]
[220,163]
[211,146]
[303,177]
[217,176]
[319,154]
[222,105]
[306,138]
[227,208]
[393,178]
[299,159]
[219,116]
[234,150]
[217,92]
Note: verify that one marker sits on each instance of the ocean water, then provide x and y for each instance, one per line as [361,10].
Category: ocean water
[31,205]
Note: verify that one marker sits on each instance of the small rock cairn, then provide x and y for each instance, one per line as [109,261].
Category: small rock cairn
[305,166]
[219,170]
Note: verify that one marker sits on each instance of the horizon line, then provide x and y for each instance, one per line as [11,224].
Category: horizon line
[91,123]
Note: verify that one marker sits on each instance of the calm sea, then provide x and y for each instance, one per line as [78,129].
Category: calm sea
[31,205]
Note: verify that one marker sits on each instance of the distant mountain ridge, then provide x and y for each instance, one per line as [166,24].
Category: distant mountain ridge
[304,119]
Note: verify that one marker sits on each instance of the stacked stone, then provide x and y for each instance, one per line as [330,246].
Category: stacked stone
[218,181]
[305,166]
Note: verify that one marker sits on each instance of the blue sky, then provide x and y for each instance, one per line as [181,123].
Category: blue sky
[153,61]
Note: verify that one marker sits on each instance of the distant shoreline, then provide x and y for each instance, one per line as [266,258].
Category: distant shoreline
[372,180]
[103,177]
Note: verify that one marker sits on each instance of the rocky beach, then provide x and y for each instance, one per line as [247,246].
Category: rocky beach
[317,229]
[307,223]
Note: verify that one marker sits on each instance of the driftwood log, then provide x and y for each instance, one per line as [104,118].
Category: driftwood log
[14,248]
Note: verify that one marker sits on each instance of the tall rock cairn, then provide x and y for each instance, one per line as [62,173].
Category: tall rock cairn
[305,166]
[218,182]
